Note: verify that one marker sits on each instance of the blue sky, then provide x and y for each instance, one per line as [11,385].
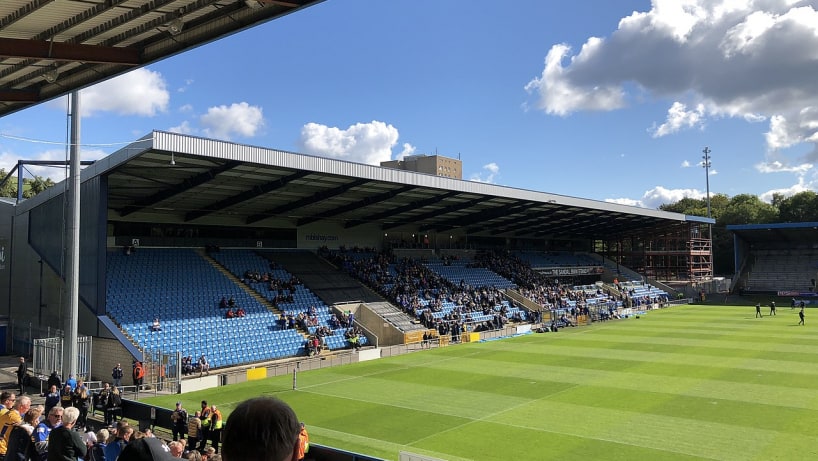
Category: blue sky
[589,98]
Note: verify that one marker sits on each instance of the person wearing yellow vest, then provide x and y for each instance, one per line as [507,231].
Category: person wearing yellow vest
[216,424]
[205,417]
[303,445]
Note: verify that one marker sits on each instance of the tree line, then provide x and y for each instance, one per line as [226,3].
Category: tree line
[31,187]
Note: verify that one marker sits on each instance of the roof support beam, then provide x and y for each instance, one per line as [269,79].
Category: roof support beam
[323,195]
[250,194]
[436,213]
[19,96]
[57,51]
[408,207]
[197,180]
[366,201]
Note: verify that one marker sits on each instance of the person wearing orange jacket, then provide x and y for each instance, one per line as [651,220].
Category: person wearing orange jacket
[303,445]
[138,373]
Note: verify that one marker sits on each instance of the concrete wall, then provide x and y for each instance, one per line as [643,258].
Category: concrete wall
[106,353]
[387,333]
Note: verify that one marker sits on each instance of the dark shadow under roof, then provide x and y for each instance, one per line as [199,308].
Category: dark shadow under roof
[776,233]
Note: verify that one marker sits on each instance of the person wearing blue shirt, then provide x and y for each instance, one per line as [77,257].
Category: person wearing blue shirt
[71,381]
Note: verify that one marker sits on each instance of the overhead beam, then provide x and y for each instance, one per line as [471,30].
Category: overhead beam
[437,213]
[408,207]
[317,197]
[365,202]
[249,194]
[280,3]
[58,51]
[197,180]
[19,96]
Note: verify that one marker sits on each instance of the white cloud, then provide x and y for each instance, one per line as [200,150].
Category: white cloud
[408,150]
[182,128]
[556,92]
[750,59]
[188,83]
[685,164]
[241,119]
[678,117]
[658,196]
[369,143]
[624,201]
[489,174]
[779,167]
[786,192]
[139,92]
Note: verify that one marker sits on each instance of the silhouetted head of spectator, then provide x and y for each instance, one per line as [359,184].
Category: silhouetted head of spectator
[261,429]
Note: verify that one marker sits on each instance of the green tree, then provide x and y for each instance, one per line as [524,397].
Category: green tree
[36,185]
[9,189]
[801,207]
[748,209]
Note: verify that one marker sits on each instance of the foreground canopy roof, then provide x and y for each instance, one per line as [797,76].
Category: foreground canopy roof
[49,48]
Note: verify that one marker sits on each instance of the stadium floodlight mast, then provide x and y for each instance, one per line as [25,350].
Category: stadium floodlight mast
[706,166]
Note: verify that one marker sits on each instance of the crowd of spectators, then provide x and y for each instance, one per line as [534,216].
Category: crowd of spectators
[421,292]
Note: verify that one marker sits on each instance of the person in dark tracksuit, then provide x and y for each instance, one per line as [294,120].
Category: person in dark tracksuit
[801,316]
[758,310]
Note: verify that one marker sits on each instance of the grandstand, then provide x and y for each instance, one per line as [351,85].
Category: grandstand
[776,258]
[222,211]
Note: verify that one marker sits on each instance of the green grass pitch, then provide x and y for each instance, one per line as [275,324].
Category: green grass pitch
[688,382]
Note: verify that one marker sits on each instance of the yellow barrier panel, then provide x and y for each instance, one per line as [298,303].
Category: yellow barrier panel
[470,337]
[256,373]
[413,337]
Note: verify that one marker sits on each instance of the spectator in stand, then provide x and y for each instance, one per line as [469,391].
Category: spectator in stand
[194,430]
[97,449]
[20,436]
[64,443]
[204,367]
[261,429]
[156,326]
[22,375]
[116,374]
[43,431]
[81,399]
[113,406]
[52,398]
[179,419]
[54,380]
[119,438]
[67,397]
[71,381]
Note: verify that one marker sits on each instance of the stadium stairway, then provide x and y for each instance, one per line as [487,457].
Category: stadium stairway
[325,280]
[255,294]
[333,285]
